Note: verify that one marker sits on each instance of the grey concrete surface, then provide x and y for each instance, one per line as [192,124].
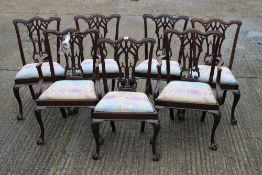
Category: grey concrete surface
[183,145]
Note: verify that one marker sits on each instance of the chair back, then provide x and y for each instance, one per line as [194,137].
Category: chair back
[223,27]
[193,45]
[127,52]
[72,48]
[32,33]
[161,23]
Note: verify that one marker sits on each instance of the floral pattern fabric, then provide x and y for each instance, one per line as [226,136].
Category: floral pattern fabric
[110,66]
[227,76]
[70,90]
[188,92]
[30,70]
[122,101]
[174,67]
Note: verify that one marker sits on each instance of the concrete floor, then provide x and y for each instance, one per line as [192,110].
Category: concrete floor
[183,145]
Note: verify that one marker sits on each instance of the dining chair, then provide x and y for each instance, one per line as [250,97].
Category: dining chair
[31,45]
[188,93]
[106,25]
[125,104]
[74,91]
[230,30]
[160,24]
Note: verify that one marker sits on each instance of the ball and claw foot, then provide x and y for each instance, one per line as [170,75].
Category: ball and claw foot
[95,156]
[180,116]
[19,117]
[156,157]
[101,141]
[234,121]
[40,141]
[213,146]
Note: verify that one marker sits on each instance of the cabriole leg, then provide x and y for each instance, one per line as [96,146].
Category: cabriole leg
[171,113]
[203,116]
[113,126]
[224,96]
[40,140]
[235,102]
[142,128]
[63,112]
[18,98]
[95,131]
[217,117]
[156,126]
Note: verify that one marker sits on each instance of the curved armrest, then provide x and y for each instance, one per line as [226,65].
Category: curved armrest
[218,87]
[40,74]
[98,86]
[158,66]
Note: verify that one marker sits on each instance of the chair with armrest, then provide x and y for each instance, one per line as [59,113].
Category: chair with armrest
[31,31]
[188,93]
[74,91]
[228,81]
[125,104]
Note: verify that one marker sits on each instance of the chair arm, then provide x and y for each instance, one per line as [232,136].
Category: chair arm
[218,87]
[40,74]
[98,86]
[158,66]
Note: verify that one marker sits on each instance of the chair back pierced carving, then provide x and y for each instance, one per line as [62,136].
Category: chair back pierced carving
[126,53]
[162,22]
[72,48]
[192,48]
[34,28]
[223,27]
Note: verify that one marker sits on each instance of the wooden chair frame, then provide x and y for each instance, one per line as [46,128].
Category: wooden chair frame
[127,48]
[195,40]
[222,26]
[76,39]
[35,25]
[100,21]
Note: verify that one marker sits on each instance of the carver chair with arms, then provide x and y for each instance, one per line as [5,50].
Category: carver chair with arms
[32,46]
[228,81]
[74,91]
[125,104]
[188,93]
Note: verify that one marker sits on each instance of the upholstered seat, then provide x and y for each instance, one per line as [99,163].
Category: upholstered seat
[188,92]
[70,90]
[110,66]
[174,67]
[30,71]
[123,101]
[227,76]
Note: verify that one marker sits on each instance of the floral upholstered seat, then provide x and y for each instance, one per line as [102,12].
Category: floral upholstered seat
[70,90]
[188,92]
[227,76]
[123,101]
[30,71]
[174,67]
[110,66]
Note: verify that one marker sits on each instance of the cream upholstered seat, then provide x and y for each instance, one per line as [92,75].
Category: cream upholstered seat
[227,76]
[110,66]
[174,67]
[122,101]
[70,90]
[30,71]
[188,92]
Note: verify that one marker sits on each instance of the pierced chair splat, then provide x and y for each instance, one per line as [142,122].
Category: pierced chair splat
[228,80]
[125,104]
[32,46]
[74,91]
[188,93]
